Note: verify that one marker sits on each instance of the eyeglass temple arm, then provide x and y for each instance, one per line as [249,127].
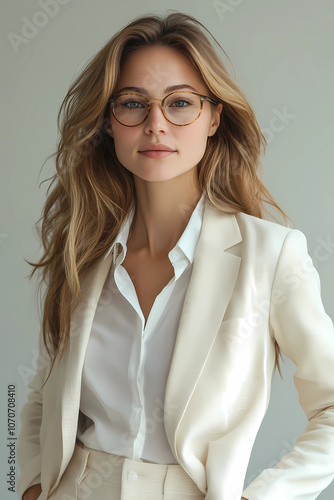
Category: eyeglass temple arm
[208,99]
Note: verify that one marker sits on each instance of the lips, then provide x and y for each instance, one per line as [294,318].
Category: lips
[156,147]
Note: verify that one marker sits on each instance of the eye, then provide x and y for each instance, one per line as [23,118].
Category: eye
[125,104]
[182,101]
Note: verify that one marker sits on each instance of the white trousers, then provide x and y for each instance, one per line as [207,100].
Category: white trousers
[96,475]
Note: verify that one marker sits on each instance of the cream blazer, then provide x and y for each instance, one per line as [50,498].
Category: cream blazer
[253,283]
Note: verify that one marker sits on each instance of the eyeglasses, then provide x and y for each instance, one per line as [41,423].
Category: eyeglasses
[179,108]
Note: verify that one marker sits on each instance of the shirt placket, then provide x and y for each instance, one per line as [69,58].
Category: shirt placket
[140,344]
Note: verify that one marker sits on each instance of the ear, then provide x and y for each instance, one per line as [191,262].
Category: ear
[216,111]
[109,130]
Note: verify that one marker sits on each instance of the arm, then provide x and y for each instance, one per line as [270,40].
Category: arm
[305,334]
[29,450]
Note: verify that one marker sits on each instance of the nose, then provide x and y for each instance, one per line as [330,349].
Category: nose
[155,121]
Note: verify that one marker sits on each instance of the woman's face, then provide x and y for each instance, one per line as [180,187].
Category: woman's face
[154,69]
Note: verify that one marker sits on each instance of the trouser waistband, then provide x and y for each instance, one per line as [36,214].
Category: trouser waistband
[160,476]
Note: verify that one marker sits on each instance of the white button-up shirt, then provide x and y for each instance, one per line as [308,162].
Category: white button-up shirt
[127,362]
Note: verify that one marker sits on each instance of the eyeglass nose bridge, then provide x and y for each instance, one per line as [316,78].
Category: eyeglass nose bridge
[161,102]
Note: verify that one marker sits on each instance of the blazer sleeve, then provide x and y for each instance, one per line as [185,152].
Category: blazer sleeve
[29,448]
[305,334]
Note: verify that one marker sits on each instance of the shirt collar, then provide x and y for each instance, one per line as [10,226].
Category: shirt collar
[189,238]
[187,241]
[123,233]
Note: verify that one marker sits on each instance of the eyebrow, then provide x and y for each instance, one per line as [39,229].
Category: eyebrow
[172,88]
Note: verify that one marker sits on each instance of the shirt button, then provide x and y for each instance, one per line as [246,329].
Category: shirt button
[132,475]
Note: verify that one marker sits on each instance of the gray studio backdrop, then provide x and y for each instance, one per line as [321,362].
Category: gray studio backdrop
[282,54]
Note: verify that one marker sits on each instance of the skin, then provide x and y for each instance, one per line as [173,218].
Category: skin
[167,188]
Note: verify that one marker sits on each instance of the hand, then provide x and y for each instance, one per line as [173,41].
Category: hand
[33,492]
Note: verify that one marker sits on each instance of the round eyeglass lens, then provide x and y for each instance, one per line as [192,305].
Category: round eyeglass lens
[180,108]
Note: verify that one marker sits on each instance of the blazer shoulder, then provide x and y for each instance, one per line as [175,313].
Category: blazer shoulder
[264,243]
[268,237]
[254,226]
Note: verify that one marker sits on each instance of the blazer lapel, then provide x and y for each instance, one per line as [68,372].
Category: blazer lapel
[81,323]
[210,288]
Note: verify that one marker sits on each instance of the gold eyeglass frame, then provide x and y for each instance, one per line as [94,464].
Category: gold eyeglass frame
[201,96]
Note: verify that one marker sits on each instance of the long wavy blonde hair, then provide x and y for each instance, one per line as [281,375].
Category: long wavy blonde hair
[92,191]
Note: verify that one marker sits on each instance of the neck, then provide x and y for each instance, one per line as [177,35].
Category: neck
[162,213]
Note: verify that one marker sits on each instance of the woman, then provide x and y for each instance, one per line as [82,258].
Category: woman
[169,297]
